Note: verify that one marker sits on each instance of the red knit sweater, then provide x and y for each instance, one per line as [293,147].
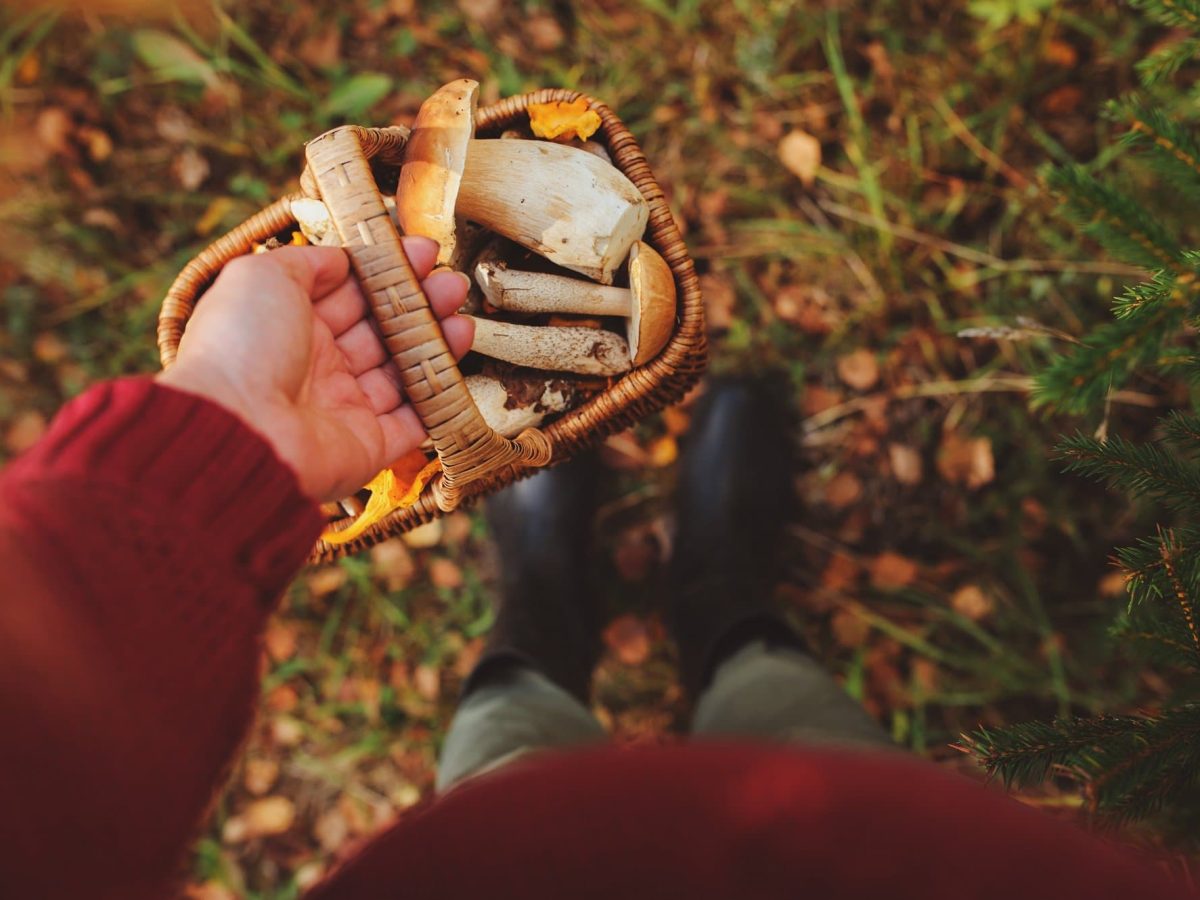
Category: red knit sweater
[142,544]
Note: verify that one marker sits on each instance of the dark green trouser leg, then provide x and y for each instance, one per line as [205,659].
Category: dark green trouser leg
[759,692]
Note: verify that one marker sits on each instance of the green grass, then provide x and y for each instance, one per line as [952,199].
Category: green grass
[928,215]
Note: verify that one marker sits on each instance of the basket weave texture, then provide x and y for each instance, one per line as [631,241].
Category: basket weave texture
[346,168]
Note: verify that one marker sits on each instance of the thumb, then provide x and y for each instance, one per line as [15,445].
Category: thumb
[317,270]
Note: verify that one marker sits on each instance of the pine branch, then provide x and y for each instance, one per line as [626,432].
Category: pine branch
[1138,469]
[1026,753]
[1183,591]
[1183,429]
[1171,148]
[1119,223]
[1162,65]
[1164,289]
[1176,13]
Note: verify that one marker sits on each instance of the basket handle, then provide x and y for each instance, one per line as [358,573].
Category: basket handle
[469,449]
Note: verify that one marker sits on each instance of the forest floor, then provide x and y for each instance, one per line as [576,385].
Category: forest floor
[856,187]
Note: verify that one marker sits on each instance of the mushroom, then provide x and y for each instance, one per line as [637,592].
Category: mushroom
[566,348]
[512,405]
[316,224]
[648,304]
[561,202]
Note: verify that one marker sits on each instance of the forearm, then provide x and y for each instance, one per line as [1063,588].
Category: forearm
[142,544]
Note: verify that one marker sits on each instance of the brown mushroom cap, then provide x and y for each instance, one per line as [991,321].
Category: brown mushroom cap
[652,318]
[434,160]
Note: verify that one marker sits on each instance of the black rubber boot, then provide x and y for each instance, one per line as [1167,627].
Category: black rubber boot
[734,499]
[548,616]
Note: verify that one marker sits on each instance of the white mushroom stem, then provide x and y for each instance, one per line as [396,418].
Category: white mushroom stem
[509,418]
[541,292]
[585,351]
[561,202]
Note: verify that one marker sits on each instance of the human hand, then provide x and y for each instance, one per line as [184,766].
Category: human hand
[285,341]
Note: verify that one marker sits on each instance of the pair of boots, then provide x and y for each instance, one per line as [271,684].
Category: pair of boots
[732,504]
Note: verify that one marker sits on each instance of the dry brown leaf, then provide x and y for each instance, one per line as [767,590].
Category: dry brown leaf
[322,50]
[849,630]
[1113,584]
[25,431]
[428,682]
[906,464]
[970,601]
[623,452]
[800,154]
[484,12]
[891,571]
[676,420]
[210,890]
[663,451]
[269,816]
[326,580]
[1063,101]
[1059,53]
[468,656]
[628,639]
[99,144]
[843,490]
[280,640]
[49,348]
[841,573]
[456,528]
[287,732]
[966,461]
[190,169]
[54,128]
[818,398]
[544,32]
[719,300]
[393,563]
[331,830]
[282,698]
[424,536]
[260,775]
[445,573]
[859,370]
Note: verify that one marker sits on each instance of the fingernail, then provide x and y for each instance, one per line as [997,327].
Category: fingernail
[466,279]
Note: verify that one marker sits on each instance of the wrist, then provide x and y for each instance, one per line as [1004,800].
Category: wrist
[266,418]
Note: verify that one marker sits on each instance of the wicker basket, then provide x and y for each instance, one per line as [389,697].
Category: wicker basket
[347,167]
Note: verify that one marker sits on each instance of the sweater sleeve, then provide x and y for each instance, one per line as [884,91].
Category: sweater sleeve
[143,542]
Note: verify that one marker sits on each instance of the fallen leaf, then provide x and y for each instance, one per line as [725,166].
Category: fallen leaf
[54,128]
[843,490]
[720,298]
[172,59]
[1063,101]
[25,431]
[544,32]
[676,420]
[1059,53]
[559,118]
[210,890]
[286,731]
[213,215]
[324,581]
[970,601]
[428,682]
[190,169]
[260,775]
[636,553]
[1113,584]
[966,461]
[849,630]
[800,154]
[331,830]
[456,528]
[424,536]
[818,398]
[269,816]
[628,639]
[445,573]
[280,640]
[468,656]
[282,698]
[663,451]
[622,451]
[926,674]
[322,50]
[841,573]
[49,348]
[393,563]
[484,12]
[858,370]
[891,571]
[907,467]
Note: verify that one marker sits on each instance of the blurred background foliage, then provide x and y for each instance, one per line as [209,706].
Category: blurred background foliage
[863,188]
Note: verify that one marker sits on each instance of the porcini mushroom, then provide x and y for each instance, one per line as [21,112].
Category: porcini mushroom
[511,408]
[559,348]
[648,304]
[561,202]
[316,224]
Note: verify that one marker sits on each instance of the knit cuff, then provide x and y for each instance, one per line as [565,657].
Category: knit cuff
[213,475]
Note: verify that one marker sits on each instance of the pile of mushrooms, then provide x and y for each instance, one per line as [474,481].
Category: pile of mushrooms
[526,218]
